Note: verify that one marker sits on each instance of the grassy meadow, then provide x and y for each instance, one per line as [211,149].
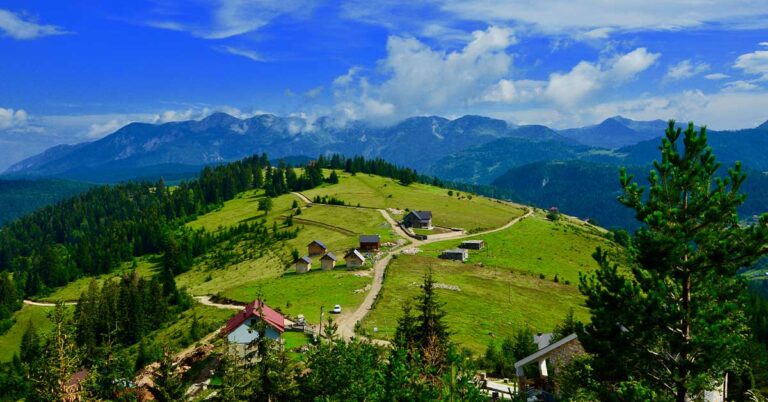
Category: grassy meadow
[491,303]
[10,341]
[448,211]
[539,246]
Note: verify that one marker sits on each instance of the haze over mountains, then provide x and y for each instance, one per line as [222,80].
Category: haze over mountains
[541,165]
[429,144]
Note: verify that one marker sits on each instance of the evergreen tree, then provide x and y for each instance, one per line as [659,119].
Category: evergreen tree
[333,178]
[52,371]
[31,346]
[675,322]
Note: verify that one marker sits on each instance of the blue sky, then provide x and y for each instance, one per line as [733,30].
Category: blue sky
[77,70]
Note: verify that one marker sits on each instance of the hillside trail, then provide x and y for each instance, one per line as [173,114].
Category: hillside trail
[43,304]
[302,197]
[347,322]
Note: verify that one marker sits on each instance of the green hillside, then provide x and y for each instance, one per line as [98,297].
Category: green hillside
[500,287]
[449,211]
[509,284]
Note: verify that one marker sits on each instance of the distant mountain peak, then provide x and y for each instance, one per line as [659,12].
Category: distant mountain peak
[219,118]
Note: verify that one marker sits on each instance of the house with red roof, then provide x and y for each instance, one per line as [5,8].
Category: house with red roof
[241,330]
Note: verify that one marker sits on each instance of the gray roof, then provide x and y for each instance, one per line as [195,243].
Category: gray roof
[545,351]
[355,253]
[472,241]
[319,243]
[305,259]
[456,251]
[421,215]
[370,238]
[327,256]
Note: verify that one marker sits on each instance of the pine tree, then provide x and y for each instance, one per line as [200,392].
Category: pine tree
[333,178]
[31,346]
[675,322]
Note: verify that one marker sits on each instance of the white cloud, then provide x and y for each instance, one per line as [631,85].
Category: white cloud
[247,53]
[17,27]
[230,18]
[10,118]
[509,91]
[595,34]
[740,85]
[685,69]
[314,92]
[754,63]
[586,78]
[415,78]
[717,76]
[579,15]
[98,130]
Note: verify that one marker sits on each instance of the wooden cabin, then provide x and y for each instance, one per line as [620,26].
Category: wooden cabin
[328,261]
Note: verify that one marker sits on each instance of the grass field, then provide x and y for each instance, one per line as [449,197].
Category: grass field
[11,340]
[491,303]
[295,294]
[539,246]
[448,211]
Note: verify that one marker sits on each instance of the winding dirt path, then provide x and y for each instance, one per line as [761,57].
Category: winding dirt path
[43,304]
[302,197]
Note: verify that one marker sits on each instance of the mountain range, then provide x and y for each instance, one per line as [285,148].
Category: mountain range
[418,142]
[469,149]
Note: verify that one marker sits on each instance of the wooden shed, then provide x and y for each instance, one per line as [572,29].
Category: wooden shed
[303,265]
[354,259]
[328,261]
[316,247]
[370,242]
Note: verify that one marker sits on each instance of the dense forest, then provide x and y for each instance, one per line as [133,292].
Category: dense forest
[19,197]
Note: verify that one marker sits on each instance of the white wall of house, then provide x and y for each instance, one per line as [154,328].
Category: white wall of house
[245,335]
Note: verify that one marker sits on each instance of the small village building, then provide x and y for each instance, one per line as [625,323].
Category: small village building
[240,329]
[354,259]
[418,220]
[316,247]
[458,254]
[472,244]
[558,354]
[370,242]
[328,261]
[303,265]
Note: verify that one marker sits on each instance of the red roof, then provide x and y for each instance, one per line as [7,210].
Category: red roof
[272,317]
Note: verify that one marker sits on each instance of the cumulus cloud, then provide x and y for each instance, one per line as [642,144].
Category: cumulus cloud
[755,63]
[20,26]
[10,118]
[685,69]
[98,130]
[586,78]
[416,78]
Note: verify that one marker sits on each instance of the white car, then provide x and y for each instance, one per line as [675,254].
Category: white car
[336,309]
